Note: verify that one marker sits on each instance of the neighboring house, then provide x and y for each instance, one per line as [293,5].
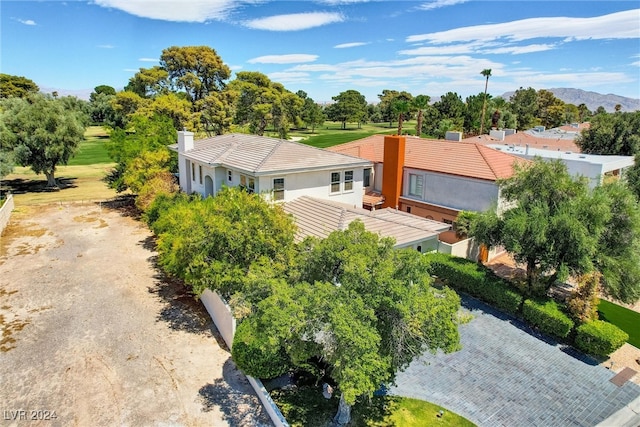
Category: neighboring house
[281,170]
[318,218]
[595,167]
[434,179]
[557,139]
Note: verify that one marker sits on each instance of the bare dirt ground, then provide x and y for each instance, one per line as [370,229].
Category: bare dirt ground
[93,331]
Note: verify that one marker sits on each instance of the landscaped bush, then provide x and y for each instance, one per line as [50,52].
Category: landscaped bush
[254,355]
[474,279]
[547,316]
[600,338]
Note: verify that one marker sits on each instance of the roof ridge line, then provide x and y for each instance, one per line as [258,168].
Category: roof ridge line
[487,162]
[268,156]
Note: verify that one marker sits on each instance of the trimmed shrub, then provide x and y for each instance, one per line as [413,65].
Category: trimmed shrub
[547,316]
[474,279]
[255,355]
[600,338]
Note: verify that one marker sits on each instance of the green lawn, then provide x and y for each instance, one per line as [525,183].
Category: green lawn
[331,133]
[623,318]
[92,150]
[306,407]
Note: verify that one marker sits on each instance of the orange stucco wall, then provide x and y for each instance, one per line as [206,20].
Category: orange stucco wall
[392,169]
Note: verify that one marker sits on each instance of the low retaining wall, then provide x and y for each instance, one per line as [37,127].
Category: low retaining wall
[5,212]
[221,315]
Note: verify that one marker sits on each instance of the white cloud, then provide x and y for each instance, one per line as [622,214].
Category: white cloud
[106,46]
[290,77]
[294,21]
[175,10]
[348,45]
[29,22]
[436,4]
[518,50]
[294,58]
[619,25]
[148,59]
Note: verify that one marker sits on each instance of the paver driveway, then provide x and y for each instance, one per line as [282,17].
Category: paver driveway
[505,375]
[91,331]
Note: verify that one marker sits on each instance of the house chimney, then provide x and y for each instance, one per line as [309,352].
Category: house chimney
[392,169]
[185,141]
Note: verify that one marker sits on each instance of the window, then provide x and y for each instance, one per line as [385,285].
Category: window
[408,209]
[348,180]
[415,185]
[278,189]
[252,185]
[367,178]
[335,182]
[193,171]
[200,171]
[229,175]
[243,181]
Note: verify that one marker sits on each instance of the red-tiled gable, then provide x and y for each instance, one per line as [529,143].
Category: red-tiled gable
[448,157]
[574,128]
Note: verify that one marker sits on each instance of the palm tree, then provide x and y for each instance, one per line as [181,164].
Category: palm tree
[420,103]
[401,107]
[487,73]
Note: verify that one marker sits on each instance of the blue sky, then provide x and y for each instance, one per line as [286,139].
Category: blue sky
[325,47]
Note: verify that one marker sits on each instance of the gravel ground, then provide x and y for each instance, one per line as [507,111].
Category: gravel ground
[92,331]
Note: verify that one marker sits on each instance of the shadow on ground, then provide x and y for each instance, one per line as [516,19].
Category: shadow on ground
[228,395]
[473,304]
[23,186]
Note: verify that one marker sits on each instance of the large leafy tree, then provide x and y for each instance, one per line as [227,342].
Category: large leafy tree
[524,104]
[370,311]
[551,110]
[349,106]
[149,82]
[142,135]
[218,241]
[312,114]
[198,70]
[16,86]
[450,107]
[43,132]
[553,226]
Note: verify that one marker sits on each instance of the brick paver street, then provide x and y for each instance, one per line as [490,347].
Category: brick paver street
[506,375]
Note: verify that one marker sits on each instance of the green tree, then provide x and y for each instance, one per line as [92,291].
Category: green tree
[524,104]
[420,104]
[198,70]
[618,255]
[149,82]
[217,111]
[450,107]
[550,109]
[216,242]
[16,86]
[312,114]
[101,90]
[144,134]
[553,227]
[101,108]
[388,99]
[379,310]
[486,73]
[473,114]
[42,132]
[350,106]
[612,133]
[401,108]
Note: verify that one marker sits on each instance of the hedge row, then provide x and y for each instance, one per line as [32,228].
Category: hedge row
[548,317]
[255,355]
[600,338]
[475,280]
[597,338]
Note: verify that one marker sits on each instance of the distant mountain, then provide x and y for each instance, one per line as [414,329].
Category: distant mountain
[592,100]
[80,94]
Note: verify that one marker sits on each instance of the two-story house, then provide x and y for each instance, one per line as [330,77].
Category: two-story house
[281,170]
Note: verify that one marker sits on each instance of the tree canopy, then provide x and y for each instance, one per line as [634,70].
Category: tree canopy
[43,132]
[16,86]
[350,106]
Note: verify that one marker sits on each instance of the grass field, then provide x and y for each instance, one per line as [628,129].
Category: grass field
[306,407]
[623,318]
[332,133]
[92,150]
[81,180]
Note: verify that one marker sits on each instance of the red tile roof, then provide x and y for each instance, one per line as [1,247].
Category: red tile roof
[448,157]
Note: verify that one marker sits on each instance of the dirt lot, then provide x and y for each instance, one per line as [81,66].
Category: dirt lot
[92,331]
